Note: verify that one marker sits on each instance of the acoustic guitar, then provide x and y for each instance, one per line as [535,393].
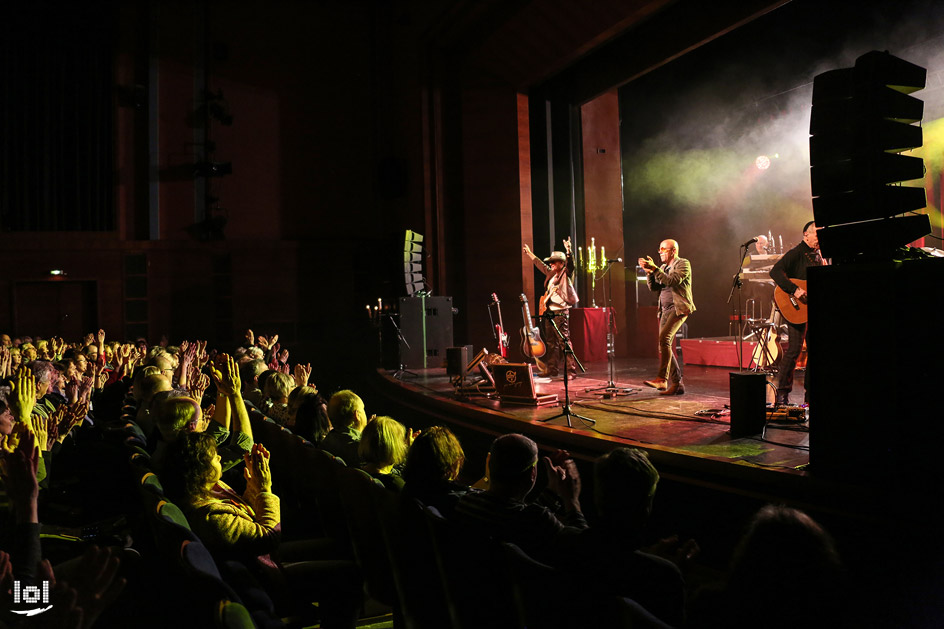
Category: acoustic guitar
[531,342]
[792,309]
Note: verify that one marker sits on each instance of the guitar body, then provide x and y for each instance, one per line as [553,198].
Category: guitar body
[794,313]
[531,343]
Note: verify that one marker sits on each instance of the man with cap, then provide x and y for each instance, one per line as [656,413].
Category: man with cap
[559,297]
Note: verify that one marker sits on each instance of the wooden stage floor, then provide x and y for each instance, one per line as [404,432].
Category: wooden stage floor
[687,437]
[695,424]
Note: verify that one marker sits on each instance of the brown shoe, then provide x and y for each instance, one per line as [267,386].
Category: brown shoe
[658,383]
[675,389]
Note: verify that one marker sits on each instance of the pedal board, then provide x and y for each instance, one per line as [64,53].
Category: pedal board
[786,413]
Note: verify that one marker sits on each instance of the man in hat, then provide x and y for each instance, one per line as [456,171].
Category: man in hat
[559,297]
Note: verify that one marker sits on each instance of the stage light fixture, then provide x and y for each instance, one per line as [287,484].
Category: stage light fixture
[862,119]
[762,162]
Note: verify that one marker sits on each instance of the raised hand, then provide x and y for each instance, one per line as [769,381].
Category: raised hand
[94,582]
[527,250]
[39,426]
[52,432]
[567,245]
[225,373]
[72,391]
[198,386]
[101,338]
[85,388]
[88,339]
[102,379]
[257,473]
[183,346]
[302,374]
[24,388]
[202,357]
[5,361]
[250,338]
[73,417]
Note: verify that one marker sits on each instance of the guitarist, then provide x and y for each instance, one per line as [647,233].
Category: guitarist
[793,265]
[559,298]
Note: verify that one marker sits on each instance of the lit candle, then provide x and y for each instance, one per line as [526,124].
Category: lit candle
[368,312]
[602,256]
[579,257]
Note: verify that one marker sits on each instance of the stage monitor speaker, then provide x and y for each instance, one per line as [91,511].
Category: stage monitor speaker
[748,403]
[456,360]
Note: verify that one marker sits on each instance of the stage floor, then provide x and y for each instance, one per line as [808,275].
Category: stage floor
[685,432]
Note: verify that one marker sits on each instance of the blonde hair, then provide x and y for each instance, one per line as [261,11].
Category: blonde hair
[175,414]
[383,442]
[278,386]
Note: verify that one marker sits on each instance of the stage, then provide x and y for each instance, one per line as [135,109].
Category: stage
[687,436]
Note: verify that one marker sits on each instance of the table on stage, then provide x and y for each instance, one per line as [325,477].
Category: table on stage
[588,333]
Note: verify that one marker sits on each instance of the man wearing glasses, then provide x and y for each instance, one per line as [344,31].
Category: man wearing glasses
[673,281]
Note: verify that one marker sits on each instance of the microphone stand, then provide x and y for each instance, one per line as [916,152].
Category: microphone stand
[568,349]
[611,389]
[736,286]
[399,373]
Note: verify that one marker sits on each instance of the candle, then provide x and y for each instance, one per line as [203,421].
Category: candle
[602,256]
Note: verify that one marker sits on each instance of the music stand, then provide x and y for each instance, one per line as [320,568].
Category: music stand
[568,349]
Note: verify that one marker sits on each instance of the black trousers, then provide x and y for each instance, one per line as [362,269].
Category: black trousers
[555,346]
[788,363]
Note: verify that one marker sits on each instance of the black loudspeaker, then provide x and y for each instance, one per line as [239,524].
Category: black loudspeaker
[875,375]
[748,403]
[426,328]
[456,360]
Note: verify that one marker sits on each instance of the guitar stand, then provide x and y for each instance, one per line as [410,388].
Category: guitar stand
[568,349]
[761,332]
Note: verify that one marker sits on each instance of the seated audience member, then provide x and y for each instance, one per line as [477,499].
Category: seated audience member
[348,418]
[311,419]
[256,397]
[607,557]
[383,447]
[249,372]
[501,511]
[782,547]
[144,393]
[46,376]
[177,413]
[247,528]
[278,386]
[433,464]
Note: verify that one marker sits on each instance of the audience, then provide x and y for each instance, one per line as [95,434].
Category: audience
[194,412]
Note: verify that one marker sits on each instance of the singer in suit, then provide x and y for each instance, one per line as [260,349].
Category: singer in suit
[673,281]
[793,265]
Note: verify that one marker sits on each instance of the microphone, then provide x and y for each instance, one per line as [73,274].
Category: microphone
[749,242]
[614,260]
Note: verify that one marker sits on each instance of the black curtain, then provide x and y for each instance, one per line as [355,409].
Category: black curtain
[56,116]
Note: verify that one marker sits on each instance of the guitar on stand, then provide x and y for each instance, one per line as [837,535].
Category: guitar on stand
[500,333]
[531,343]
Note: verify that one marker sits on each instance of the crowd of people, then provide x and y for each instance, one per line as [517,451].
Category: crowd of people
[192,409]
